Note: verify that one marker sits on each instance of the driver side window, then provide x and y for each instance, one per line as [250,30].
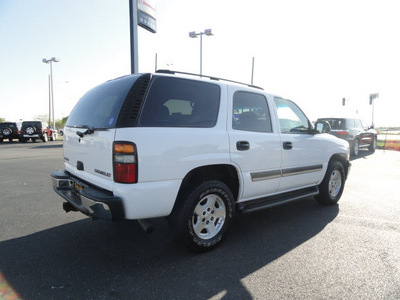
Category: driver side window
[291,118]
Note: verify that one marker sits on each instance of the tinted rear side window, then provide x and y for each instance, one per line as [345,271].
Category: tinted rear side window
[177,102]
[100,107]
[250,112]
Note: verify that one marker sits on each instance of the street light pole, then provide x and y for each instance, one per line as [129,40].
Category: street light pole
[193,34]
[49,100]
[201,54]
[50,61]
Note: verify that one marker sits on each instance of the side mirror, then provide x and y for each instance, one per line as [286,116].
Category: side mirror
[322,127]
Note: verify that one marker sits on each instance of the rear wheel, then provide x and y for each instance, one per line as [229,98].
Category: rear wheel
[356,147]
[202,219]
[53,136]
[372,147]
[331,187]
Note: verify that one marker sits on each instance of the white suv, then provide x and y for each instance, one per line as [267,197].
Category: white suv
[195,150]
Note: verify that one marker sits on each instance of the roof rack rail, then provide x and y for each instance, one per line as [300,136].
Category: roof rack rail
[209,77]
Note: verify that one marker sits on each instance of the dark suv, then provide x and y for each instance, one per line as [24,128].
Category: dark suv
[34,130]
[8,131]
[355,131]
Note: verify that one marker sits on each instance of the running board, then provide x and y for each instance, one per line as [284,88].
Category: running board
[267,202]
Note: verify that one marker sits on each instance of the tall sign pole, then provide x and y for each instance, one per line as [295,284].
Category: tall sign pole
[142,13]
[134,33]
[372,97]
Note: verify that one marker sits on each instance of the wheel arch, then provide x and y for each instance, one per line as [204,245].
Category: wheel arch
[342,158]
[225,173]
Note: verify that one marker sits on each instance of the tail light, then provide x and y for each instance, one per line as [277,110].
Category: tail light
[125,162]
[342,132]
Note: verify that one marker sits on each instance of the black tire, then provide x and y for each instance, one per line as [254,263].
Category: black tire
[331,187]
[201,219]
[44,138]
[372,147]
[1,140]
[355,149]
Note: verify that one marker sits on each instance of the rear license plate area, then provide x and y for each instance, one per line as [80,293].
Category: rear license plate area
[77,187]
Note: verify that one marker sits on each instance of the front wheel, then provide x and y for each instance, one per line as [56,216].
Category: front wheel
[201,220]
[331,187]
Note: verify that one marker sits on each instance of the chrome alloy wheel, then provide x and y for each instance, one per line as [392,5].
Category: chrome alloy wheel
[335,183]
[209,216]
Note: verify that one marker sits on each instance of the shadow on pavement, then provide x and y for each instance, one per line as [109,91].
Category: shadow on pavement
[361,154]
[101,260]
[47,145]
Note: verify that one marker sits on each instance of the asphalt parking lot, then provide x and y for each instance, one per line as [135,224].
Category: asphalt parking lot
[298,251]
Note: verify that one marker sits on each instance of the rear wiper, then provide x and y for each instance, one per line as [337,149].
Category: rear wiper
[89,130]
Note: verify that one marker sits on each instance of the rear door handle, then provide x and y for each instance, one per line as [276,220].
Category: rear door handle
[242,145]
[287,145]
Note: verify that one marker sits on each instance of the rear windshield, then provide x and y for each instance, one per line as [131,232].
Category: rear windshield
[11,125]
[27,124]
[100,107]
[336,123]
[177,102]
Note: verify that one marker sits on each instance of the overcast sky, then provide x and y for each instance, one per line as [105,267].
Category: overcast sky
[313,52]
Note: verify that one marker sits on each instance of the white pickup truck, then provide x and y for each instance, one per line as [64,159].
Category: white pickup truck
[195,150]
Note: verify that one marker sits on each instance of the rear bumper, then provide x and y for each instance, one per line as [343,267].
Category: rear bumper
[90,200]
[31,136]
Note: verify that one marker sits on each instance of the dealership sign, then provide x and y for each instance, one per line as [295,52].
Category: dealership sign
[147,14]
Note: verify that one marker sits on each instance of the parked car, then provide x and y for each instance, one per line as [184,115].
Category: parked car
[33,130]
[195,150]
[8,131]
[355,131]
